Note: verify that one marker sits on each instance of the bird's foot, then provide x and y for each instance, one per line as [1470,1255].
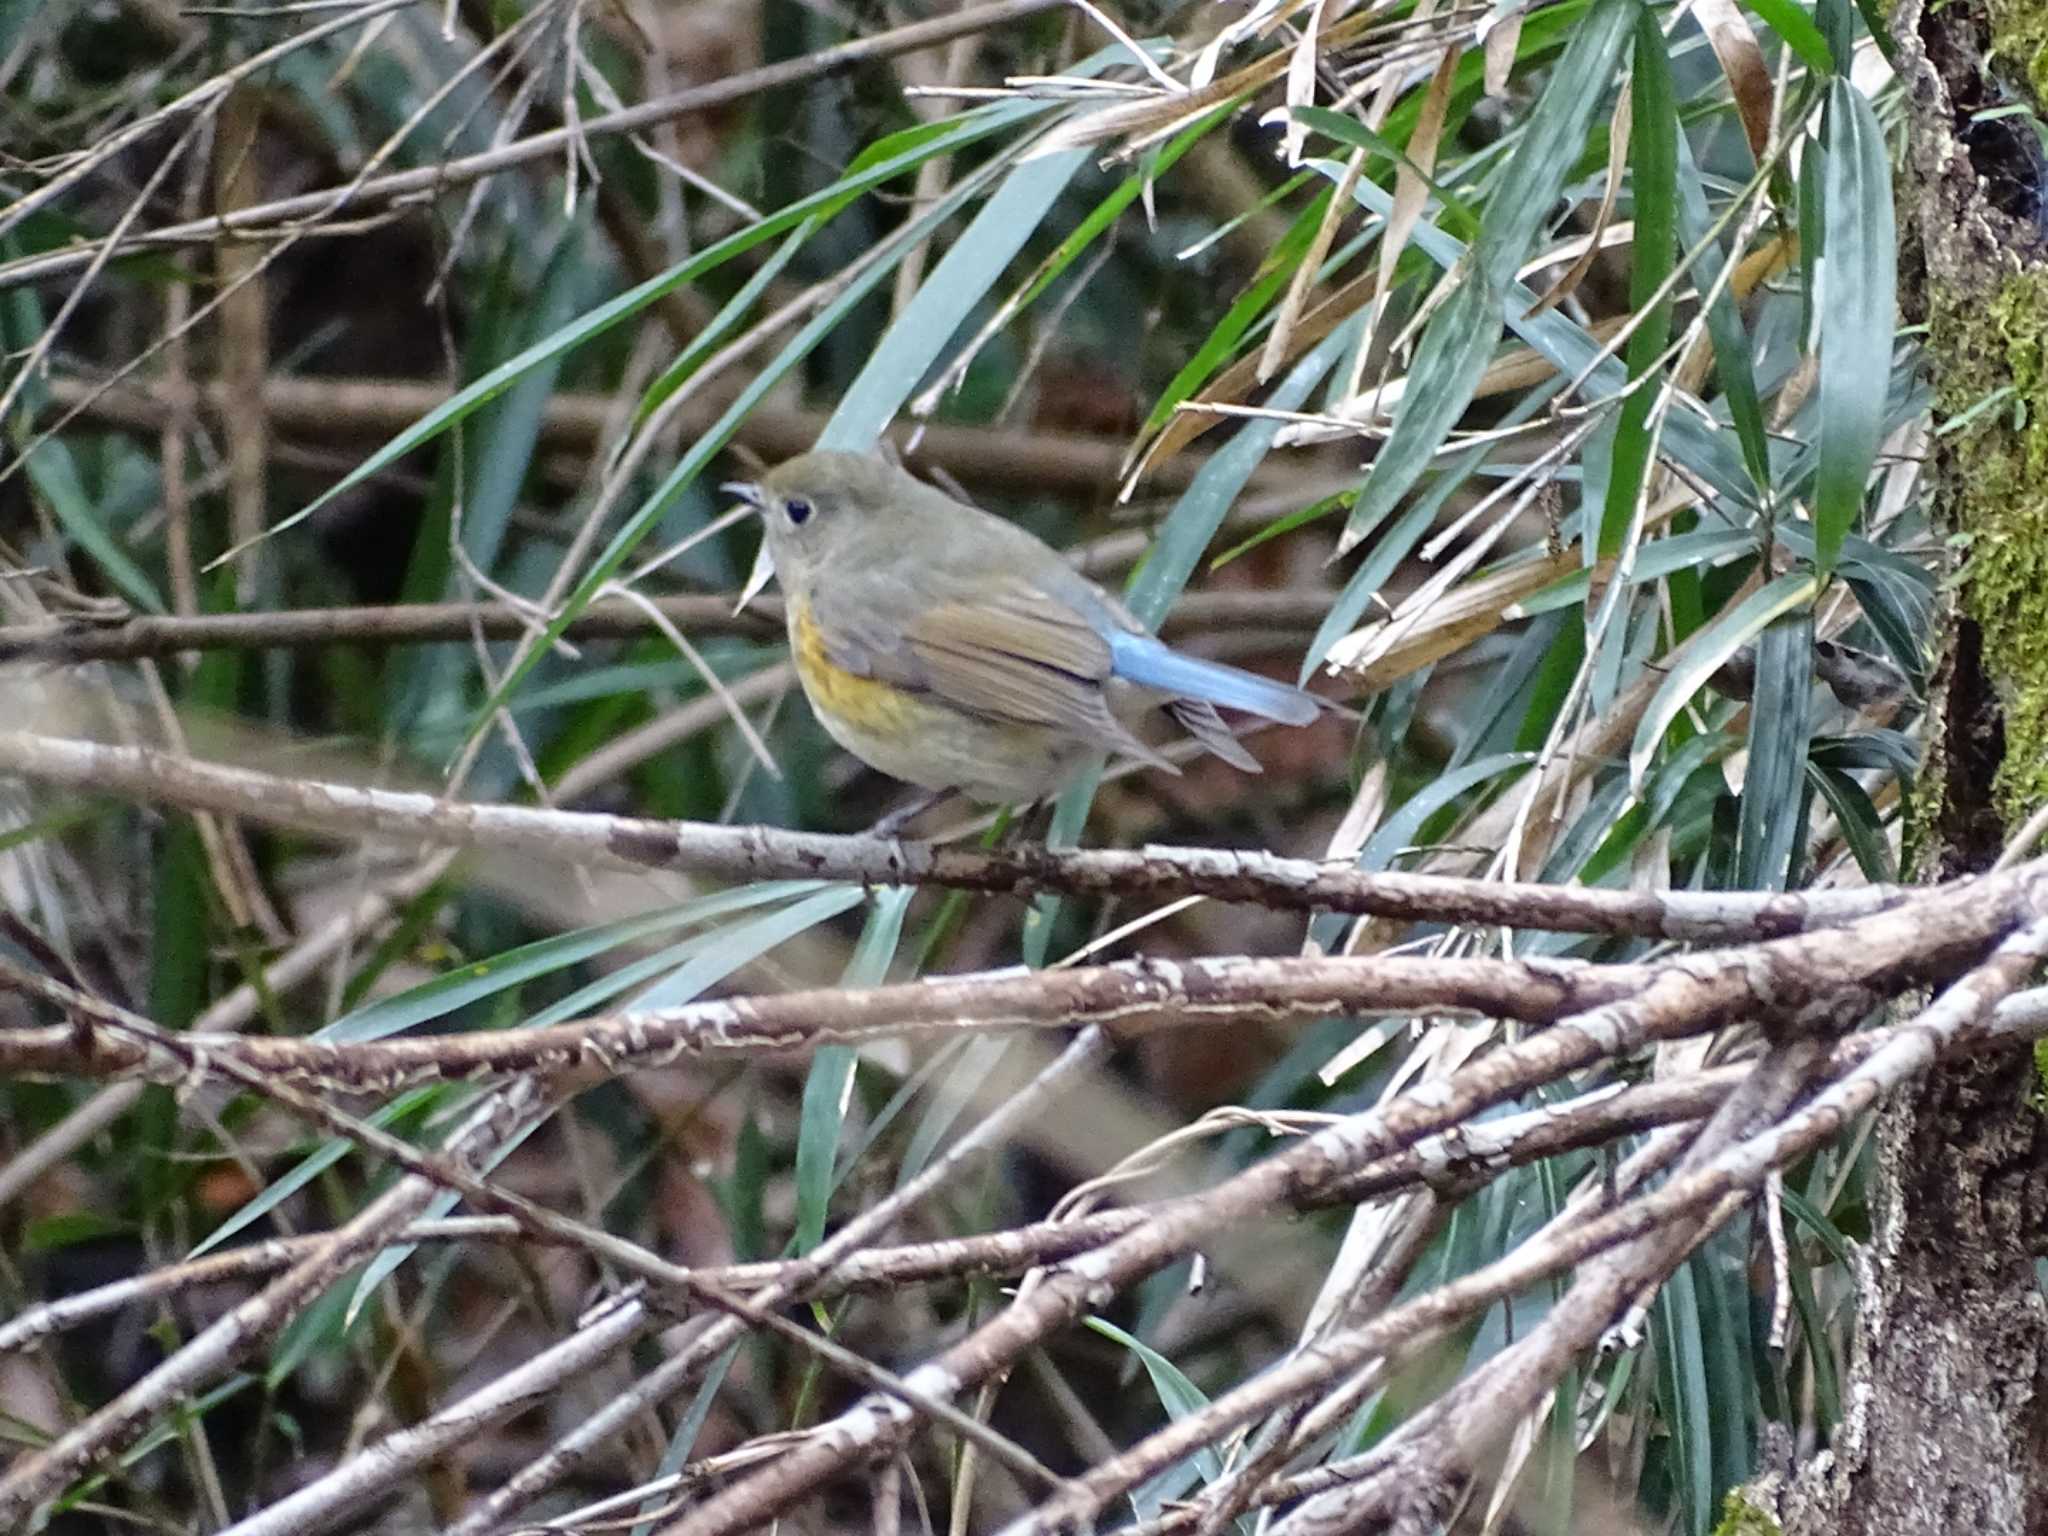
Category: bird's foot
[892,825]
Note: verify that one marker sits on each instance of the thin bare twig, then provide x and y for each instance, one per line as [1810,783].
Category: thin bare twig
[752,853]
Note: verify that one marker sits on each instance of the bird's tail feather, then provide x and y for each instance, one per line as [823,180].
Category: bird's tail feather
[1151,663]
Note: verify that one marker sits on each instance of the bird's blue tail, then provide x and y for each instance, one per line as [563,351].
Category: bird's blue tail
[1151,663]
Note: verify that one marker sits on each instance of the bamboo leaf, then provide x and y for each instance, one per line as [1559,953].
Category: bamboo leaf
[830,1078]
[1780,728]
[1453,353]
[1653,142]
[1400,830]
[959,282]
[1862,826]
[53,471]
[1705,654]
[728,950]
[1179,1397]
[1731,343]
[464,985]
[1857,310]
[1796,29]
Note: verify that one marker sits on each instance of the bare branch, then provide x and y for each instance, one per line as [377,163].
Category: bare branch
[1130,997]
[348,412]
[876,1426]
[755,853]
[82,639]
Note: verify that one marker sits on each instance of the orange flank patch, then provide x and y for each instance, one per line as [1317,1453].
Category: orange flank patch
[868,706]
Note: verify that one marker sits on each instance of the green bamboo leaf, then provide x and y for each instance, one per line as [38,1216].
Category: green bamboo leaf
[1188,529]
[1388,551]
[1674,774]
[1103,216]
[1609,825]
[1179,1397]
[386,1261]
[1222,341]
[706,341]
[1460,338]
[1831,1237]
[1349,130]
[1518,682]
[472,983]
[1791,23]
[669,960]
[1653,149]
[1819,1349]
[1280,527]
[1780,727]
[1836,21]
[1400,830]
[830,1078]
[1698,446]
[408,1106]
[960,281]
[496,472]
[1105,213]
[1732,348]
[1892,752]
[1704,656]
[54,473]
[956,1094]
[1553,138]
[1654,560]
[1455,348]
[1395,545]
[1726,1380]
[1857,314]
[1681,1381]
[1862,826]
[684,1440]
[741,944]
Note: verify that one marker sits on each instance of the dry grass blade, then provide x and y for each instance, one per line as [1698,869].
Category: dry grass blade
[1741,58]
[1567,281]
[1382,653]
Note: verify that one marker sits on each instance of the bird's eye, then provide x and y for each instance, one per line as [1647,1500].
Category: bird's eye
[798,509]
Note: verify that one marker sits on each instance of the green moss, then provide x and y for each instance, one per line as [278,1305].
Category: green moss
[2019,41]
[1997,501]
[1739,1517]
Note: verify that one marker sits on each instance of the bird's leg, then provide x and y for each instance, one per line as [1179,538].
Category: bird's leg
[1038,813]
[895,821]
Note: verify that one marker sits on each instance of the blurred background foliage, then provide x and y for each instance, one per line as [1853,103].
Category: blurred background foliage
[1464,357]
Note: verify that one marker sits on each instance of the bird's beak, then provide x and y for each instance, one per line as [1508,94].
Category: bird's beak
[746,491]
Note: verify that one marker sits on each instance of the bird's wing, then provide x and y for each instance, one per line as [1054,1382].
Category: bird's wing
[1011,652]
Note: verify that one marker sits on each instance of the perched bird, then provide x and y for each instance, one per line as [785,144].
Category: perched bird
[957,651]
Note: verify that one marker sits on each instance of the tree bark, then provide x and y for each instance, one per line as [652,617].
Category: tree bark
[1946,1413]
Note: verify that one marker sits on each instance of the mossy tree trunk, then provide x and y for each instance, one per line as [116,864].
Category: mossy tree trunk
[1947,1420]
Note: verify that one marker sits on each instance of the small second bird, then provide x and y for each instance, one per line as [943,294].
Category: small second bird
[957,651]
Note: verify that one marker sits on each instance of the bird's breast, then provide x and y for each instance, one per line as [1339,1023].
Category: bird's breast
[864,703]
